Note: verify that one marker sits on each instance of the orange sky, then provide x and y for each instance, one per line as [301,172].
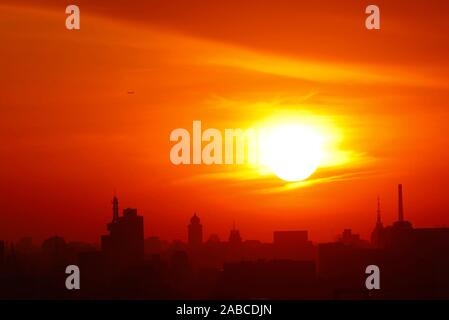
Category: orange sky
[70,134]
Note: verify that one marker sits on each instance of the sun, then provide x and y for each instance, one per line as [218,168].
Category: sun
[292,151]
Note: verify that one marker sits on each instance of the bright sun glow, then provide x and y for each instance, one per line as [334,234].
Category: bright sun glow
[292,152]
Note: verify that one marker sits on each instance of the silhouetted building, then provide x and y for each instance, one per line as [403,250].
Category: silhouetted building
[195,231]
[181,277]
[234,236]
[377,232]
[55,252]
[54,246]
[25,246]
[273,279]
[419,254]
[414,264]
[401,223]
[179,261]
[352,239]
[342,266]
[213,239]
[397,233]
[153,245]
[125,242]
[292,245]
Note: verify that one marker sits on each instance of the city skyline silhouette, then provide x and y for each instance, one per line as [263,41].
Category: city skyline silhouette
[129,130]
[129,265]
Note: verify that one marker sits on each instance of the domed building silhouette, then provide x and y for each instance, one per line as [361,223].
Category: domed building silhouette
[195,231]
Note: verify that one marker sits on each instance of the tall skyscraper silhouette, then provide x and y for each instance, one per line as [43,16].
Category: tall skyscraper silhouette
[195,231]
[125,242]
[377,232]
[234,236]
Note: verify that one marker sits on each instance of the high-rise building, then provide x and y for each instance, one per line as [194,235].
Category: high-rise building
[195,231]
[377,232]
[125,242]
[402,235]
[349,238]
[293,244]
[234,236]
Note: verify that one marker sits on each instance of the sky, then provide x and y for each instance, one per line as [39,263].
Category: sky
[88,113]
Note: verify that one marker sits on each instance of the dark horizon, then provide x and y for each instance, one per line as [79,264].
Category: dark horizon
[291,266]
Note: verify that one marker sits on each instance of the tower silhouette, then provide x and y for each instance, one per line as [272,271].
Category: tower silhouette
[195,231]
[234,235]
[125,242]
[376,234]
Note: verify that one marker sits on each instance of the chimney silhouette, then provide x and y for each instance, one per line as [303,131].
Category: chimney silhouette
[379,219]
[400,205]
[114,209]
